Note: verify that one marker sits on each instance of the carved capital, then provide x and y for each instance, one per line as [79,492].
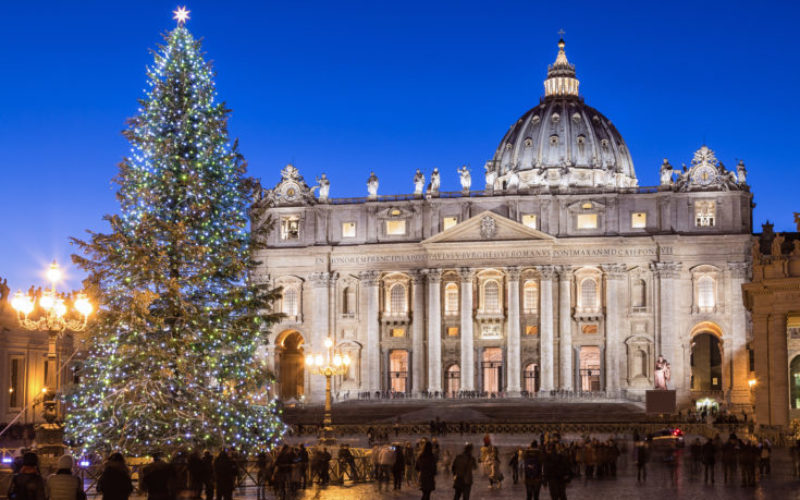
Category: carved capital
[433,275]
[739,270]
[417,276]
[319,279]
[369,278]
[513,273]
[666,270]
[565,273]
[466,274]
[615,271]
[547,272]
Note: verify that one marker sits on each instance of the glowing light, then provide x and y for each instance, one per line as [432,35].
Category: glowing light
[181,15]
[60,308]
[310,360]
[83,305]
[47,301]
[318,360]
[346,360]
[54,273]
[337,361]
[328,343]
[22,303]
[752,382]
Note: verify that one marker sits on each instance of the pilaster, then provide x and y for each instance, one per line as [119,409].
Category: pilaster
[434,278]
[466,331]
[371,281]
[546,319]
[565,275]
[418,332]
[615,274]
[513,337]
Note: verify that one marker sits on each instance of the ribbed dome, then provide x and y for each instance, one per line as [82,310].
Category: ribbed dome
[561,142]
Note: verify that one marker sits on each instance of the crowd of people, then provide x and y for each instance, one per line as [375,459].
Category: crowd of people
[548,462]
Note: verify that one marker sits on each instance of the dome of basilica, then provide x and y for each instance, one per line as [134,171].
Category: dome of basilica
[562,142]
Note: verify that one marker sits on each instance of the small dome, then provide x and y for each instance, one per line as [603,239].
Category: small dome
[562,142]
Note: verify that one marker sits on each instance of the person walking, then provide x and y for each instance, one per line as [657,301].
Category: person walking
[225,475]
[532,471]
[426,465]
[514,465]
[709,460]
[385,462]
[495,471]
[304,459]
[556,472]
[462,468]
[156,479]
[63,484]
[115,481]
[27,484]
[398,467]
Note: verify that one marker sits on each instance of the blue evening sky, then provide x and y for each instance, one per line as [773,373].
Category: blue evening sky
[347,87]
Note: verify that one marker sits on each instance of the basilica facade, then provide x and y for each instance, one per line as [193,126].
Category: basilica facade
[556,274]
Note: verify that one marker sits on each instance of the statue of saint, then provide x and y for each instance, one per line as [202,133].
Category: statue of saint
[466,178]
[756,250]
[666,173]
[741,172]
[372,185]
[324,187]
[662,373]
[777,243]
[491,175]
[419,183]
[433,187]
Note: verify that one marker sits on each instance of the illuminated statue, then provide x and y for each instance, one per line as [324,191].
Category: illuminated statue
[372,185]
[662,373]
[419,183]
[466,178]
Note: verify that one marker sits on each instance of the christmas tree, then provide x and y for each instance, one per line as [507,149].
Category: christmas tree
[171,360]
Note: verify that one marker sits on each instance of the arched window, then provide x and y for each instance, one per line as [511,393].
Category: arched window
[530,297]
[290,302]
[349,300]
[589,294]
[705,293]
[397,299]
[638,293]
[531,378]
[451,299]
[794,382]
[491,296]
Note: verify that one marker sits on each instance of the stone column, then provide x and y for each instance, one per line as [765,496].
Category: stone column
[372,381]
[434,277]
[418,333]
[546,330]
[615,293]
[467,354]
[740,391]
[565,274]
[512,339]
[320,329]
[667,343]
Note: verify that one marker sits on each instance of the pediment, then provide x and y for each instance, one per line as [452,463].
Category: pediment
[488,226]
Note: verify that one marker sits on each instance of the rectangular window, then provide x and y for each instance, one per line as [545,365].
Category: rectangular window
[589,329]
[395,227]
[398,332]
[531,330]
[452,331]
[348,229]
[15,383]
[530,220]
[587,221]
[448,222]
[639,220]
[705,213]
[290,227]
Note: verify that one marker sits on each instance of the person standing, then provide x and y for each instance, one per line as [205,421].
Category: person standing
[426,465]
[709,460]
[514,465]
[195,467]
[398,467]
[157,479]
[302,454]
[642,456]
[556,472]
[208,474]
[532,471]
[385,463]
[27,484]
[63,484]
[462,468]
[115,481]
[225,475]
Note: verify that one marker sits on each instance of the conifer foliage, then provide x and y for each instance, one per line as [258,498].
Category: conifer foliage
[171,361]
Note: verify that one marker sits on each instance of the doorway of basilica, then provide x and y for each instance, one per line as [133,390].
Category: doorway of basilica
[492,368]
[291,365]
[706,363]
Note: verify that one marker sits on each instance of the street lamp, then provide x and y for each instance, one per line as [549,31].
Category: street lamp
[327,364]
[55,322]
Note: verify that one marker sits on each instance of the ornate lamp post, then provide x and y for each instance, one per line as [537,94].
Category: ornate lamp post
[327,364]
[55,321]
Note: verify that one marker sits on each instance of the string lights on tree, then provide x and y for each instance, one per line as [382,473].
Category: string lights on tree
[172,360]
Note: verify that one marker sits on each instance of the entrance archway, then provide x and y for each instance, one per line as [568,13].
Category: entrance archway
[291,365]
[492,366]
[706,362]
[589,359]
[398,370]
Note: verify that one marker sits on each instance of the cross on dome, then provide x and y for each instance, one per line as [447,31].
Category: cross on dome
[561,79]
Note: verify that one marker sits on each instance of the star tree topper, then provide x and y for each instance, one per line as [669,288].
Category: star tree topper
[181,15]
